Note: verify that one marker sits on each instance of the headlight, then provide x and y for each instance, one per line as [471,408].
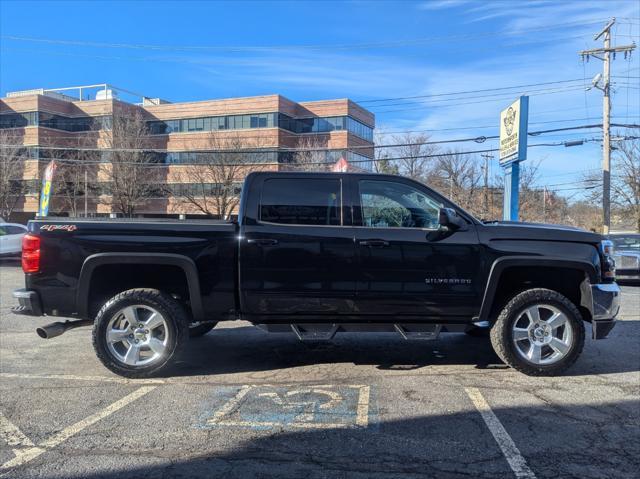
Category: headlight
[606,246]
[608,263]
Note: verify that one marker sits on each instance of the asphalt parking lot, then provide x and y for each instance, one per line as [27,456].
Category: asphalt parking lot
[243,403]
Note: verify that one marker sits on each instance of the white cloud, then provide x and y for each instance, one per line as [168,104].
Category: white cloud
[441,4]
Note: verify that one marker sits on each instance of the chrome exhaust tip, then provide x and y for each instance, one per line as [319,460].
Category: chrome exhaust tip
[53,330]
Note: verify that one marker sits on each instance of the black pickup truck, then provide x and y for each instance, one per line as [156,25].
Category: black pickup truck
[320,253]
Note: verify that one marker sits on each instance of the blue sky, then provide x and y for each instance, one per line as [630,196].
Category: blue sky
[185,51]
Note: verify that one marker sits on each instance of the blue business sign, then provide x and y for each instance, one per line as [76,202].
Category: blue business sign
[514,123]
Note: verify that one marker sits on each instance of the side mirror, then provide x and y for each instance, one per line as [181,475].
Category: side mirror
[450,219]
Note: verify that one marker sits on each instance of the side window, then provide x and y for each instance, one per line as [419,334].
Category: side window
[3,230]
[302,201]
[389,204]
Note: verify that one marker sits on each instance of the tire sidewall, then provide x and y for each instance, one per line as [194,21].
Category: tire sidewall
[176,326]
[512,312]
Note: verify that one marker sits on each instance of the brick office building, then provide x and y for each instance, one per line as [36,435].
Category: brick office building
[269,128]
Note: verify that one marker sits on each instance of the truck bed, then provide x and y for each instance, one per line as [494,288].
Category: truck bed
[69,245]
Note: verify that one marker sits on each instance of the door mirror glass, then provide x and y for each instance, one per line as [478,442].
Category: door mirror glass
[449,219]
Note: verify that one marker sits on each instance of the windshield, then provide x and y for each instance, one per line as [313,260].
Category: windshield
[626,242]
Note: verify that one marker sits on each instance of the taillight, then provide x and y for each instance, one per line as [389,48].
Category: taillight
[30,253]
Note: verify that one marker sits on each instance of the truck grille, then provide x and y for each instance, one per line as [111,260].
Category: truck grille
[627,262]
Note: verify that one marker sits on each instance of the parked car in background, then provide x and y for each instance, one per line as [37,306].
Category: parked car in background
[11,238]
[627,256]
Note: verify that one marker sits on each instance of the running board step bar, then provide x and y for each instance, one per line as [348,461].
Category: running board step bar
[420,331]
[314,332]
[326,331]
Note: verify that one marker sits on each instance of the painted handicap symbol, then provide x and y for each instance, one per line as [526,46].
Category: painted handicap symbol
[269,407]
[308,415]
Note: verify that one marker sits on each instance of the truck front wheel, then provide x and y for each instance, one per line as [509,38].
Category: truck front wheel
[139,332]
[539,332]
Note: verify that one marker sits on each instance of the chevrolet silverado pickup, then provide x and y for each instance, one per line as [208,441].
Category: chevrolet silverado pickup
[315,254]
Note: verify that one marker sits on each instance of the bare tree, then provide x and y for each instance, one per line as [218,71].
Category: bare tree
[310,154]
[12,156]
[415,157]
[132,171]
[212,184]
[625,184]
[459,176]
[77,173]
[382,163]
[585,214]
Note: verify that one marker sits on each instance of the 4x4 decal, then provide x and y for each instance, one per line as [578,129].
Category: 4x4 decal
[68,228]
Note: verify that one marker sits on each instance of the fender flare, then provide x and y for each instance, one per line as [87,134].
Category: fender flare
[183,262]
[501,264]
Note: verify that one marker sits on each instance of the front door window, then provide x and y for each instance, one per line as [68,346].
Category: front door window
[389,204]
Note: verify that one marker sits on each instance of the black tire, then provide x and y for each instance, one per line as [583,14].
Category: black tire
[501,332]
[177,323]
[196,330]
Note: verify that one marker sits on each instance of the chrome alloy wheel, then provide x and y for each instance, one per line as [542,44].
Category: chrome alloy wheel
[137,335]
[542,334]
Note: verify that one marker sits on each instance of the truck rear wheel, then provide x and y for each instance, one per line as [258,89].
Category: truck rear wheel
[139,332]
[539,332]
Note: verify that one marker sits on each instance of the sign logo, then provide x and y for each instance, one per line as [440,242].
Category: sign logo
[513,131]
[510,120]
[45,195]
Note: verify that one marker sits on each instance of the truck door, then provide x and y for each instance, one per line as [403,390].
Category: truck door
[297,252]
[407,266]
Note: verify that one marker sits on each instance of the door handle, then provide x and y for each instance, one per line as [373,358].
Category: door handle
[263,241]
[375,243]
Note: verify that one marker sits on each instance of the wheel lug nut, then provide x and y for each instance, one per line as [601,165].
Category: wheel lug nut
[131,335]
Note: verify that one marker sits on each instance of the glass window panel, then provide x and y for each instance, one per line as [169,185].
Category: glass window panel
[301,201]
[389,204]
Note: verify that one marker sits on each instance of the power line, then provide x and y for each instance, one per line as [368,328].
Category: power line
[480,139]
[550,92]
[261,48]
[146,163]
[471,91]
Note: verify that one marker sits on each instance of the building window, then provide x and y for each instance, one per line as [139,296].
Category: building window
[57,122]
[19,120]
[301,201]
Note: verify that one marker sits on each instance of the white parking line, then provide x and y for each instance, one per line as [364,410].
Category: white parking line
[231,404]
[25,455]
[362,415]
[12,435]
[72,377]
[511,453]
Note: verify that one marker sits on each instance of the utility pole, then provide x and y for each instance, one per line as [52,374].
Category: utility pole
[544,205]
[86,192]
[604,54]
[486,157]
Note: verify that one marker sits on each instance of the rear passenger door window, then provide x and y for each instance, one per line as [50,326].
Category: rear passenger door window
[302,201]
